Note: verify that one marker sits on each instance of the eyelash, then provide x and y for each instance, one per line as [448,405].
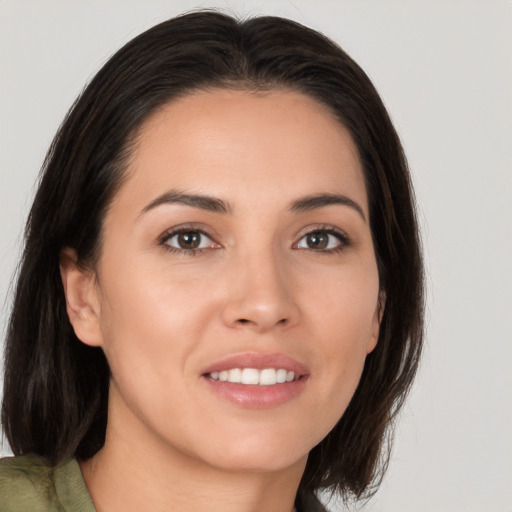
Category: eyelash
[329,230]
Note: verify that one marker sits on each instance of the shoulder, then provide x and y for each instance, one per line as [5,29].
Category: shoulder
[30,484]
[25,484]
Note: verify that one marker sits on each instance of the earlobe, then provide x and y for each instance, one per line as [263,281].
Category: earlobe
[377,319]
[82,301]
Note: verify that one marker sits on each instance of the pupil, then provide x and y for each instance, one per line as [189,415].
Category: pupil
[189,240]
[317,240]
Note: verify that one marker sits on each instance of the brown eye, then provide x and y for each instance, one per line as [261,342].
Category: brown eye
[190,240]
[317,240]
[322,240]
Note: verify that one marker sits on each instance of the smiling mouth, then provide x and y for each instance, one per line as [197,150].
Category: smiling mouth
[256,381]
[254,377]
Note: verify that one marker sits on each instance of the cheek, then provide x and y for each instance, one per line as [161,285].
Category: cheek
[150,321]
[342,316]
[149,297]
[343,305]
[151,325]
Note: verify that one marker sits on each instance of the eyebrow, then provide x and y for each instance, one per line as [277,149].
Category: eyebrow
[320,200]
[213,204]
[203,202]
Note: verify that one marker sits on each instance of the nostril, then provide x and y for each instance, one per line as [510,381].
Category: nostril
[244,321]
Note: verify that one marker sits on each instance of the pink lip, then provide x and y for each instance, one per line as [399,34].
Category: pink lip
[257,397]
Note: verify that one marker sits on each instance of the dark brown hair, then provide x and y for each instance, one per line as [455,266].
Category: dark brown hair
[55,387]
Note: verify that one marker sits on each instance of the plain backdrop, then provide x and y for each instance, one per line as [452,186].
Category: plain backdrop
[444,69]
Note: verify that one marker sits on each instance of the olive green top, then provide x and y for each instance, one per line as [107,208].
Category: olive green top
[29,484]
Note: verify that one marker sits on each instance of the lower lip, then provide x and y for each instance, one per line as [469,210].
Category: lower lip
[257,397]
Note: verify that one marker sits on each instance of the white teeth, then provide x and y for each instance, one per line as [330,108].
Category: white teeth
[281,376]
[235,375]
[252,376]
[268,377]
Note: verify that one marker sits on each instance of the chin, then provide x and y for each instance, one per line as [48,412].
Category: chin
[260,463]
[260,453]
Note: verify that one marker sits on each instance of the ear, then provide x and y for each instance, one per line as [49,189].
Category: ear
[376,321]
[82,298]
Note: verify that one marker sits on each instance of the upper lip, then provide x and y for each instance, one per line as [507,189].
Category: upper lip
[257,361]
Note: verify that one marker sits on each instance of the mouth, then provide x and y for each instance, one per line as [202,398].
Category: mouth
[254,377]
[257,381]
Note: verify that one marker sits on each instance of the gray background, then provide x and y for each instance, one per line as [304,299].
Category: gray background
[444,69]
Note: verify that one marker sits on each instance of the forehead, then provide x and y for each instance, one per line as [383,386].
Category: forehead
[242,144]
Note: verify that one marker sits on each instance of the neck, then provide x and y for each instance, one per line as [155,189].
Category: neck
[148,475]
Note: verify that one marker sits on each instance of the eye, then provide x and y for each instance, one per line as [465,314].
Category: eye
[188,240]
[322,240]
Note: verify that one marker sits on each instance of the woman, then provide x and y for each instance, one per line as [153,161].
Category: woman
[220,298]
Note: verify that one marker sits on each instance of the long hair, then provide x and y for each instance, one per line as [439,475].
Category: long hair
[55,387]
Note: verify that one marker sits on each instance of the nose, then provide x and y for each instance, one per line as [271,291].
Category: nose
[261,295]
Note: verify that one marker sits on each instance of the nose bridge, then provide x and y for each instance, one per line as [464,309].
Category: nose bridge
[260,294]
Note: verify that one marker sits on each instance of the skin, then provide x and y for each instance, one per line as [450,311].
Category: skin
[162,316]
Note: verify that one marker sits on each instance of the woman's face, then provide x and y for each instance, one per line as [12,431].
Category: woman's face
[238,248]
